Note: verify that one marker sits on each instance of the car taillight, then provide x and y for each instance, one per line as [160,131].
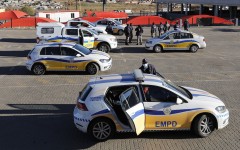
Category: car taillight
[82,106]
[29,57]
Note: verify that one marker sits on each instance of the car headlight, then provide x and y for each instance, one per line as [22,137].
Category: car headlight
[113,39]
[220,109]
[104,60]
[149,42]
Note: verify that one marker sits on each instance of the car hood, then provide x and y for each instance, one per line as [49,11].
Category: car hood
[105,36]
[204,96]
[99,55]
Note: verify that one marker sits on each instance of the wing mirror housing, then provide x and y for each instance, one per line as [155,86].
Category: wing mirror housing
[78,55]
[179,101]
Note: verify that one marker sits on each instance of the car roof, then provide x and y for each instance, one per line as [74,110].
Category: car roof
[49,44]
[123,79]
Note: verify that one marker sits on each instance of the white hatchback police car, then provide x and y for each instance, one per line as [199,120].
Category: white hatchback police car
[176,40]
[140,102]
[66,57]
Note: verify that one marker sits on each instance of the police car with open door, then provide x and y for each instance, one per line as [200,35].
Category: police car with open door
[141,102]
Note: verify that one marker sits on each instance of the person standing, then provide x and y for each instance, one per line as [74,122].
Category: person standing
[139,32]
[127,34]
[147,68]
[160,28]
[186,25]
[131,33]
[153,29]
[176,26]
[168,26]
[109,28]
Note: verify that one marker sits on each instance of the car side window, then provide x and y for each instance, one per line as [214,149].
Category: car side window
[52,51]
[176,36]
[186,35]
[158,94]
[86,33]
[66,51]
[72,32]
[169,37]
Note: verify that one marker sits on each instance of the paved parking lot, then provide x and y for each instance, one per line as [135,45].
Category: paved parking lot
[36,111]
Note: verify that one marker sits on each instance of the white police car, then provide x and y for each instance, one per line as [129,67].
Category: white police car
[140,102]
[66,57]
[176,40]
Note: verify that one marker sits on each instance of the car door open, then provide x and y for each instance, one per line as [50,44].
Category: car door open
[134,110]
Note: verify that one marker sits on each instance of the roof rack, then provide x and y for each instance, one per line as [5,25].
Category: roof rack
[138,75]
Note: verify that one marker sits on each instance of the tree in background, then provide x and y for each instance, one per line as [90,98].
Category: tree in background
[29,10]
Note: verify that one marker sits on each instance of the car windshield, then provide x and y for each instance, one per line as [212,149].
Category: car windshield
[180,89]
[163,36]
[92,24]
[117,22]
[93,31]
[82,49]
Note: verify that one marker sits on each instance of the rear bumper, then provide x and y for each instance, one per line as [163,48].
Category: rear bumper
[81,121]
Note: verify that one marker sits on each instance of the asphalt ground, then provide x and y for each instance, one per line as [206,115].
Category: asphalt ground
[36,111]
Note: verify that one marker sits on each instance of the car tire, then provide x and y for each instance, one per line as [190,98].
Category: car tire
[38,69]
[203,126]
[193,48]
[157,49]
[104,47]
[120,32]
[92,68]
[101,129]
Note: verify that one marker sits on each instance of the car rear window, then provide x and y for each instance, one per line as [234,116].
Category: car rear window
[86,90]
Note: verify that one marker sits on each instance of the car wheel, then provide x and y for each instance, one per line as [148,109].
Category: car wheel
[104,47]
[92,68]
[203,126]
[157,48]
[193,48]
[38,69]
[120,32]
[101,129]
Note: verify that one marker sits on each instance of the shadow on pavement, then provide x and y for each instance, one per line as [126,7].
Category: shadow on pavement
[14,40]
[226,30]
[22,70]
[15,53]
[41,126]
[130,50]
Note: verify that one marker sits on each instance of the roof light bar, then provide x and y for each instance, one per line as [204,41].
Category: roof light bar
[138,75]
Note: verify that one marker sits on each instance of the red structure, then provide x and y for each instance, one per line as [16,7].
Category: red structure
[147,20]
[15,14]
[193,19]
[25,22]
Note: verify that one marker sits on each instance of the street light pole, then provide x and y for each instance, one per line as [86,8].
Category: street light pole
[104,2]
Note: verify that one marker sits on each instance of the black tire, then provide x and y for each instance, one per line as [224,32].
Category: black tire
[203,126]
[92,68]
[38,69]
[157,49]
[101,129]
[104,47]
[120,32]
[193,48]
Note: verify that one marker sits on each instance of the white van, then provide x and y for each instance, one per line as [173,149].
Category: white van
[57,32]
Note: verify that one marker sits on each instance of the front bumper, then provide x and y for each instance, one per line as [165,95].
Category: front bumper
[106,66]
[149,47]
[223,119]
[113,45]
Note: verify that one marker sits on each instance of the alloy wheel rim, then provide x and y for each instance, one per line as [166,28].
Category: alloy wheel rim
[206,125]
[92,69]
[38,69]
[158,49]
[103,48]
[194,48]
[101,130]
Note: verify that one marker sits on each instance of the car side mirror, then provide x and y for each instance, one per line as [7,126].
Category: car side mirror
[78,55]
[179,101]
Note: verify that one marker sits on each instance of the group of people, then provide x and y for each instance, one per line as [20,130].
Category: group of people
[128,30]
[162,28]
